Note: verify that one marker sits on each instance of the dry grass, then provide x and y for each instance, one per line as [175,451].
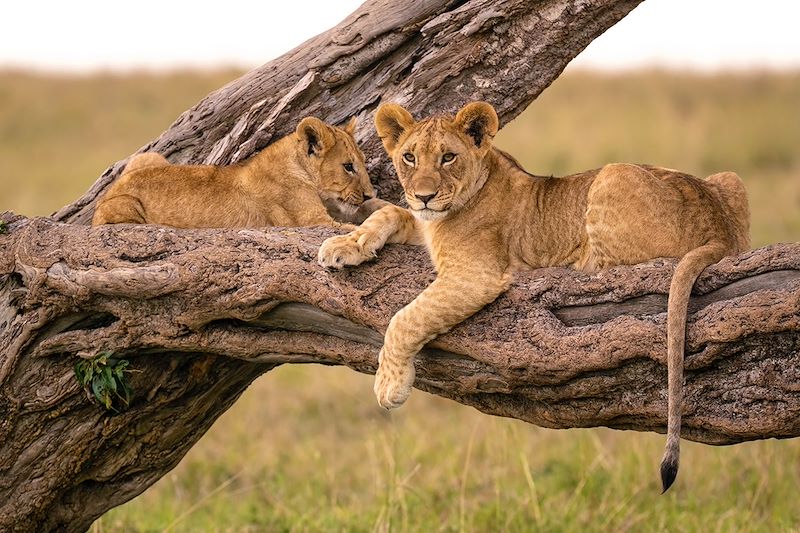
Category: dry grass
[307,448]
[59,133]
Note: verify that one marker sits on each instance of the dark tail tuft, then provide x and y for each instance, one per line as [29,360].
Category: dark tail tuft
[669,471]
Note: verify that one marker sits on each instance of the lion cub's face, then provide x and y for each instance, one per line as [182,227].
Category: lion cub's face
[336,163]
[439,160]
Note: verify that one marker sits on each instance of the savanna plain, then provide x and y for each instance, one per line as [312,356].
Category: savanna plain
[308,449]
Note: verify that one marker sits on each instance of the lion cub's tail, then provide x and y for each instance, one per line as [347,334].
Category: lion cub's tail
[686,273]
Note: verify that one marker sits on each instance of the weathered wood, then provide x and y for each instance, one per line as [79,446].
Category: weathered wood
[200,313]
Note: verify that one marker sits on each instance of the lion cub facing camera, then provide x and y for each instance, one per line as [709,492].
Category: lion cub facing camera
[483,218]
[289,183]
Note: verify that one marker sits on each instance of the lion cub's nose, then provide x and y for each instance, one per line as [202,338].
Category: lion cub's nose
[424,198]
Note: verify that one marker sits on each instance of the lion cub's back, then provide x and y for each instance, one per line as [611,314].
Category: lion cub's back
[721,196]
[182,195]
[637,212]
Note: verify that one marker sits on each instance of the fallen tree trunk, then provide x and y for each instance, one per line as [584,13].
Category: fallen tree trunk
[200,313]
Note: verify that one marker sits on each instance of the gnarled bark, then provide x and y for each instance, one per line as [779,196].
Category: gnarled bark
[200,314]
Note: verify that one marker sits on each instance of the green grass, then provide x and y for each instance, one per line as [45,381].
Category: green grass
[307,448]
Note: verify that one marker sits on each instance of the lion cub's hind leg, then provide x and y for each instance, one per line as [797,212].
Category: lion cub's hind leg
[123,209]
[630,218]
[734,198]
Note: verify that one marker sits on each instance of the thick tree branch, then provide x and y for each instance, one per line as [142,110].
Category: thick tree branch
[201,313]
[560,349]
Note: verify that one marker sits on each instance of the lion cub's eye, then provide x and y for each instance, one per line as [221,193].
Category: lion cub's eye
[448,157]
[349,167]
[409,158]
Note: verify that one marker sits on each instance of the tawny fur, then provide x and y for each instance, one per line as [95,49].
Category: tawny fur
[483,218]
[289,183]
[145,160]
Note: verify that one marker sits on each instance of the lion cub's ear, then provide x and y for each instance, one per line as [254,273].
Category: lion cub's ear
[350,127]
[479,121]
[316,136]
[391,121]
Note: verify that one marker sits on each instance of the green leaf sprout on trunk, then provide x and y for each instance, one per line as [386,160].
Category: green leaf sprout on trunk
[104,378]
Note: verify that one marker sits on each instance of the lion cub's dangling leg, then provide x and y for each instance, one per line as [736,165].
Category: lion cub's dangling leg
[449,300]
[415,324]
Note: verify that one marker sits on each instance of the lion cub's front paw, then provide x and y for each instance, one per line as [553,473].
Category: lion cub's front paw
[393,383]
[341,251]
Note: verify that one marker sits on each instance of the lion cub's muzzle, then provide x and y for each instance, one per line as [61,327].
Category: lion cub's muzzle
[428,206]
[418,202]
[425,193]
[355,197]
[425,198]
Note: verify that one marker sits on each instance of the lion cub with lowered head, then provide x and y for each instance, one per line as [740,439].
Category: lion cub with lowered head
[289,183]
[483,218]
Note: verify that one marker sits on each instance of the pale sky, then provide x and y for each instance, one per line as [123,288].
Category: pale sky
[86,35]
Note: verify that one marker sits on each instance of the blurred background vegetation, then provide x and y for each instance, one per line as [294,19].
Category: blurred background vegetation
[307,448]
